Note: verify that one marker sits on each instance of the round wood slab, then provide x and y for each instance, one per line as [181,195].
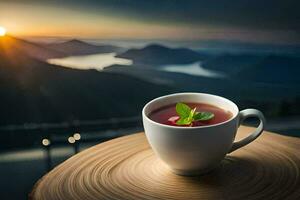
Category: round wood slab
[126,168]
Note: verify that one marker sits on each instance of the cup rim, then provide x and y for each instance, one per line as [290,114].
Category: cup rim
[189,93]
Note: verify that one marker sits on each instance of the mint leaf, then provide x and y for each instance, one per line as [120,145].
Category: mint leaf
[184,121]
[187,115]
[183,110]
[203,116]
[192,113]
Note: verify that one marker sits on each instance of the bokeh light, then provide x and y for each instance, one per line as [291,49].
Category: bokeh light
[71,140]
[77,136]
[46,142]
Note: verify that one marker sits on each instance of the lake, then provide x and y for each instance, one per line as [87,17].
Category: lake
[94,61]
[100,61]
[192,69]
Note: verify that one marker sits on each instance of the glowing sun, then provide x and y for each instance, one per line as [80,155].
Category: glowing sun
[2,31]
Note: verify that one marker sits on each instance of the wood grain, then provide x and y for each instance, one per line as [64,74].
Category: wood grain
[126,168]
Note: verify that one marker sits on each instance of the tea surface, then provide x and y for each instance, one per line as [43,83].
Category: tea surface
[167,115]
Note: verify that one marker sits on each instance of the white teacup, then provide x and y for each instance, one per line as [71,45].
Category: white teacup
[197,150]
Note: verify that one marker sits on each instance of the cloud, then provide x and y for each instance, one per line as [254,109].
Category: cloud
[246,14]
[247,20]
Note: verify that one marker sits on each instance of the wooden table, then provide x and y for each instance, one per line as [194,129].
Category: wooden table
[126,168]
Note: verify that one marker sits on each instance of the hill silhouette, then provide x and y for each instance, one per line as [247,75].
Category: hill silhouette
[273,69]
[33,91]
[155,54]
[276,69]
[78,47]
[11,45]
[56,50]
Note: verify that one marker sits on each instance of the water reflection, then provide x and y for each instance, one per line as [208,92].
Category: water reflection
[94,61]
[192,69]
[100,61]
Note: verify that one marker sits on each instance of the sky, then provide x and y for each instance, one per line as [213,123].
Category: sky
[259,21]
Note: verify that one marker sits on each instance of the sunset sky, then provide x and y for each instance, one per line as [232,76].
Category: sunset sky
[271,21]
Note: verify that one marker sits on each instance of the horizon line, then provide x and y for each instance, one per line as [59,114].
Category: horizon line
[157,39]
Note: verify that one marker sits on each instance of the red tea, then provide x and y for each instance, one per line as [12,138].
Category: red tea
[167,115]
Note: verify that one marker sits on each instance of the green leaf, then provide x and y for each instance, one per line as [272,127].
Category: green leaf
[203,116]
[188,115]
[191,115]
[184,121]
[183,110]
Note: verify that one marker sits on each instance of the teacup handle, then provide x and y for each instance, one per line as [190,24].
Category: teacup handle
[242,116]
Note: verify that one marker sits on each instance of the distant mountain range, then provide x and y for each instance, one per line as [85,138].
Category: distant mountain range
[269,68]
[12,45]
[33,91]
[156,55]
[78,47]
[250,67]
[274,69]
[56,50]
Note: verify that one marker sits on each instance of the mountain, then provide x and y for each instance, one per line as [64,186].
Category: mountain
[77,47]
[10,45]
[56,50]
[160,55]
[273,69]
[33,91]
[268,68]
[232,64]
